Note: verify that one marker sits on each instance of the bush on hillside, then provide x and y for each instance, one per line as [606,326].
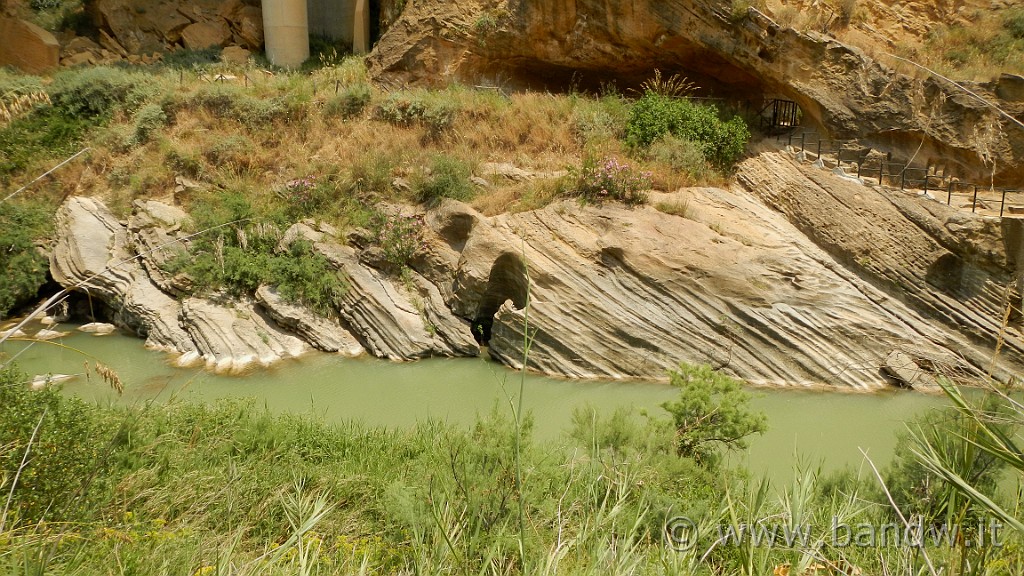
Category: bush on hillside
[68,452]
[97,92]
[448,178]
[350,102]
[653,116]
[241,252]
[608,179]
[435,111]
[24,266]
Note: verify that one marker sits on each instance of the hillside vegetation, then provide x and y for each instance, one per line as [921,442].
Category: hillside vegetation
[272,148]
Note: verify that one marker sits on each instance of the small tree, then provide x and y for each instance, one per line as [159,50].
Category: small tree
[712,412]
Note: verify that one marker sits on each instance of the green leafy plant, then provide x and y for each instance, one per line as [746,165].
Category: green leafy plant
[711,413]
[350,102]
[400,237]
[436,112]
[448,178]
[609,179]
[147,120]
[245,254]
[654,115]
[682,156]
[60,436]
[24,265]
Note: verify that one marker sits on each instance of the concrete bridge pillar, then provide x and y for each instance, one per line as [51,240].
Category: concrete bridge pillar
[286,32]
[286,27]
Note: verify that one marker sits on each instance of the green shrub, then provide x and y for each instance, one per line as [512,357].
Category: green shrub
[1013,22]
[682,156]
[608,179]
[311,196]
[400,237]
[350,102]
[24,266]
[448,178]
[436,111]
[147,120]
[653,116]
[97,92]
[237,104]
[43,133]
[241,257]
[955,437]
[67,454]
[711,413]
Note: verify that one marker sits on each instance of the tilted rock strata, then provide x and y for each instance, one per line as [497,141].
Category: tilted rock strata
[793,277]
[393,321]
[324,334]
[91,255]
[945,264]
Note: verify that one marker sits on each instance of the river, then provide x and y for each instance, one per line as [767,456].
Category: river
[827,428]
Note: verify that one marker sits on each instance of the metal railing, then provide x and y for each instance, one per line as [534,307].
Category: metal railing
[901,174]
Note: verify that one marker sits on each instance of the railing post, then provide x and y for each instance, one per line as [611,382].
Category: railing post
[1002,203]
[974,203]
[803,141]
[903,177]
[881,169]
[949,194]
[926,183]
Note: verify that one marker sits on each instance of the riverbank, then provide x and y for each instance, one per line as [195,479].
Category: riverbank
[816,427]
[186,488]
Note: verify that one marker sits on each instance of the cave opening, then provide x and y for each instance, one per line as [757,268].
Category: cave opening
[506,281]
[713,76]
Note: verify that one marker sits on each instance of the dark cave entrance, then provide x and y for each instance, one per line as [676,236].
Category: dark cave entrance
[506,281]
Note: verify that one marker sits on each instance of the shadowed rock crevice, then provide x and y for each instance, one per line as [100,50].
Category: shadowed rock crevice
[507,281]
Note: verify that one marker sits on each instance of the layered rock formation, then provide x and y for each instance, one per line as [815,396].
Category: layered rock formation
[745,57]
[793,277]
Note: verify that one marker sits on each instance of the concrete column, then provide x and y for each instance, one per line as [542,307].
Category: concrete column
[286,32]
[361,24]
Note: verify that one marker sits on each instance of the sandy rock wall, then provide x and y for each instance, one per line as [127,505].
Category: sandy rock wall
[794,277]
[544,44]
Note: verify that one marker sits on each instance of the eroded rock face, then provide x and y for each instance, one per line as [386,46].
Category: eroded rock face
[788,278]
[91,255]
[144,26]
[233,336]
[393,320]
[547,43]
[324,334]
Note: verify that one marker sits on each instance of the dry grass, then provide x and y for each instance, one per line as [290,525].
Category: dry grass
[257,132]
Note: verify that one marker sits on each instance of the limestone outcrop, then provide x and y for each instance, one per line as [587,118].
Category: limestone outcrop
[233,336]
[326,334]
[92,254]
[744,57]
[395,320]
[787,278]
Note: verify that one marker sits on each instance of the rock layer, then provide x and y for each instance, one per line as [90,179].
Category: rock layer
[794,276]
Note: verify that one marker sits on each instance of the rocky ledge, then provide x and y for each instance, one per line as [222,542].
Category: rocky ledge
[792,277]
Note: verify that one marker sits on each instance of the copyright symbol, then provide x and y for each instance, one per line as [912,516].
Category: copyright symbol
[680,533]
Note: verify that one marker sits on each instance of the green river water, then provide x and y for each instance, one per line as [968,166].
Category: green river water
[825,428]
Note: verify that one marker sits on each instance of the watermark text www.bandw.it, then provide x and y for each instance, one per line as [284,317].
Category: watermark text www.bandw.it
[682,533]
